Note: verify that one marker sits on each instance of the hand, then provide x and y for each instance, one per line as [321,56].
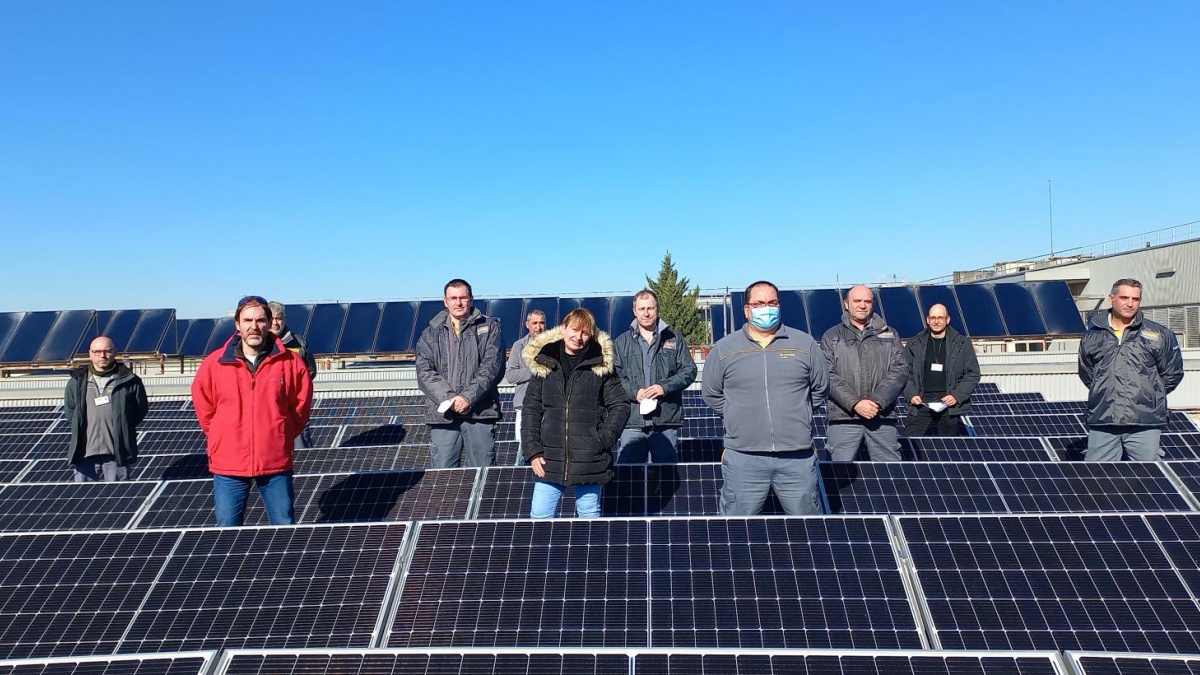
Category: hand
[866,409]
[915,400]
[460,405]
[654,391]
[641,394]
[949,400]
[539,466]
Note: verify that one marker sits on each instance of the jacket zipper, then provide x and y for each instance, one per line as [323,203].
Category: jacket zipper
[567,426]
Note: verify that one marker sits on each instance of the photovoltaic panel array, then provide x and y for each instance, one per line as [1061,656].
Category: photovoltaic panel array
[70,506]
[185,663]
[1172,446]
[508,491]
[974,449]
[910,487]
[269,587]
[868,663]
[1099,663]
[778,583]
[1180,537]
[1026,425]
[174,442]
[411,662]
[1050,582]
[1098,487]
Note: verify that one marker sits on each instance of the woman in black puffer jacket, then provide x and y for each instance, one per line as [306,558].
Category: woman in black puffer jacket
[573,413]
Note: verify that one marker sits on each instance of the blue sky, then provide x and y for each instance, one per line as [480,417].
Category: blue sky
[168,154]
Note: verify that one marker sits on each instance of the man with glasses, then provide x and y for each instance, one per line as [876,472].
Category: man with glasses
[765,380]
[460,360]
[943,373]
[1129,365]
[867,371]
[252,398]
[104,402]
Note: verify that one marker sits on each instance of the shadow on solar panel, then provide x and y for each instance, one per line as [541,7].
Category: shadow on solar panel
[386,434]
[394,495]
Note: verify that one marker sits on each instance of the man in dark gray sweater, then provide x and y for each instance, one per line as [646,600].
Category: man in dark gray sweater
[104,402]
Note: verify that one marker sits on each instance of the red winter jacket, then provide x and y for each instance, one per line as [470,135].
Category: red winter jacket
[251,420]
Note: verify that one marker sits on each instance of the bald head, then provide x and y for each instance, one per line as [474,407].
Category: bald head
[102,354]
[859,304]
[937,319]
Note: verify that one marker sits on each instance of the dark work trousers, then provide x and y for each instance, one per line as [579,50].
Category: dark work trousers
[921,419]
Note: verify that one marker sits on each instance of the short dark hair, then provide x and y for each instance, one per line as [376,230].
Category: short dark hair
[1132,283]
[761,282]
[458,282]
[643,293]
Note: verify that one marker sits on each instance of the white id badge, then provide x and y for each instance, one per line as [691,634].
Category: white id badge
[935,367]
[102,400]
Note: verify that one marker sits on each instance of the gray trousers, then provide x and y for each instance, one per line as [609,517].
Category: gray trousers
[100,468]
[844,438]
[1106,444]
[747,476]
[447,441]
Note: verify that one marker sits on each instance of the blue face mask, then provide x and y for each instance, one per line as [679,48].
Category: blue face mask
[764,318]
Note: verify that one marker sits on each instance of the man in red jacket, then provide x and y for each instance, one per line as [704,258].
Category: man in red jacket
[252,397]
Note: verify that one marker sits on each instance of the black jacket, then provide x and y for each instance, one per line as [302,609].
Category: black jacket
[672,368]
[297,346]
[1128,380]
[573,422]
[867,365]
[961,368]
[128,399]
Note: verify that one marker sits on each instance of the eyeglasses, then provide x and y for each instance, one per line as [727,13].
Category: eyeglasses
[760,305]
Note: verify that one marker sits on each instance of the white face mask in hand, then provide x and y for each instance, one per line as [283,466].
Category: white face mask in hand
[648,405]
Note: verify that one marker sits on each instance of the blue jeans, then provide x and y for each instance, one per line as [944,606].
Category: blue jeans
[658,444]
[230,492]
[547,495]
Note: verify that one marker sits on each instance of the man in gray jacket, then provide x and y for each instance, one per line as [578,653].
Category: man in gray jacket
[460,361]
[517,371]
[655,366]
[765,380]
[867,372]
[1129,364]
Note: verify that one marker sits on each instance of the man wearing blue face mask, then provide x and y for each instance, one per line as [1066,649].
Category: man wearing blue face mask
[867,372]
[765,380]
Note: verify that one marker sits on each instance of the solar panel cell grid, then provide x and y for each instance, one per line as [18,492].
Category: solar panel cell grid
[391,495]
[1026,425]
[36,425]
[903,487]
[70,506]
[74,594]
[272,587]
[50,445]
[843,664]
[532,584]
[413,663]
[974,449]
[10,468]
[17,446]
[782,583]
[1097,487]
[508,491]
[174,664]
[172,442]
[1050,582]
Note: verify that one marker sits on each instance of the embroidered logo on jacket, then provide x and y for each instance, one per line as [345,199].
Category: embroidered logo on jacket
[482,330]
[1151,335]
[669,344]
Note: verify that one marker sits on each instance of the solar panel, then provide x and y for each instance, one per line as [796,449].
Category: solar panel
[24,411]
[391,495]
[189,503]
[325,460]
[908,487]
[508,490]
[70,506]
[1177,422]
[856,663]
[324,436]
[381,434]
[1049,582]
[1025,425]
[40,471]
[690,490]
[9,468]
[1074,487]
[974,449]
[29,425]
[703,427]
[1173,446]
[74,594]
[303,586]
[172,442]
[778,583]
[1101,663]
[17,446]
[554,583]
[1180,537]
[50,445]
[705,450]
[412,662]
[183,663]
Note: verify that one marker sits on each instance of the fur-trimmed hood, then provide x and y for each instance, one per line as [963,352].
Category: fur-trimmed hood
[542,357]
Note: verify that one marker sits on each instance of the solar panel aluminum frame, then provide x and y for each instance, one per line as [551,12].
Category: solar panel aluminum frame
[208,658]
[1075,658]
[1168,468]
[1053,659]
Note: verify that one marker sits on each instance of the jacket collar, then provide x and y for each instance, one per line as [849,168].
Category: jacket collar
[875,325]
[442,318]
[541,355]
[951,334]
[1100,321]
[229,352]
[121,374]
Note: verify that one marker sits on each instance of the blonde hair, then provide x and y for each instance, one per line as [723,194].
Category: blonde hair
[580,319]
